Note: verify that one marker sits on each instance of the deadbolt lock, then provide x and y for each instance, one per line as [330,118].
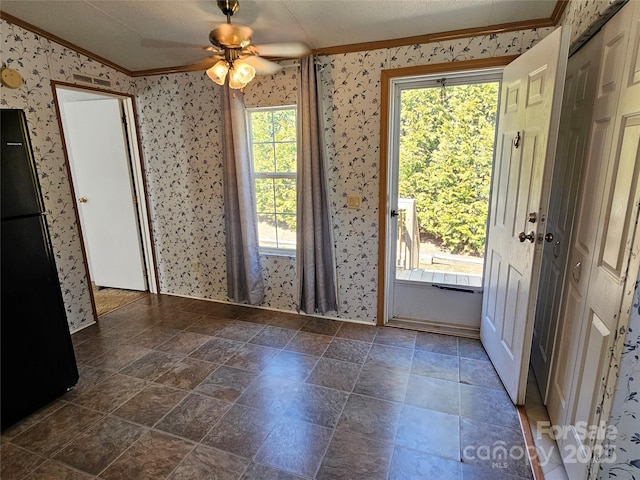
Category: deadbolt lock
[83,199]
[533,217]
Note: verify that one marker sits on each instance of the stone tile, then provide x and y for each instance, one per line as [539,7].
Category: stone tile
[472,348]
[28,422]
[262,472]
[433,394]
[318,405]
[241,430]
[357,331]
[410,464]
[261,316]
[253,358]
[481,443]
[474,472]
[152,457]
[381,383]
[390,357]
[153,337]
[274,337]
[208,325]
[292,365]
[89,378]
[55,471]
[179,320]
[205,462]
[183,343]
[334,374]
[193,417]
[308,343]
[370,418]
[187,374]
[118,357]
[322,326]
[348,350]
[240,331]
[429,431]
[111,393]
[481,404]
[435,365]
[150,405]
[151,365]
[216,350]
[16,462]
[269,393]
[350,457]
[216,309]
[100,445]
[295,446]
[287,320]
[437,343]
[396,337]
[480,373]
[56,430]
[226,383]
[94,347]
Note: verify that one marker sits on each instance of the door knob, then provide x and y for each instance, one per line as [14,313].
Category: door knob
[83,199]
[549,237]
[531,237]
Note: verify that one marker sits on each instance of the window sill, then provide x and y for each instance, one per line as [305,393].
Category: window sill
[278,254]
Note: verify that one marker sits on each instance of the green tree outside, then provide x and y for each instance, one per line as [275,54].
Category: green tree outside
[446,153]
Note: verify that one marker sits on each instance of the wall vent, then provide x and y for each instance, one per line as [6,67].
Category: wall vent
[91,80]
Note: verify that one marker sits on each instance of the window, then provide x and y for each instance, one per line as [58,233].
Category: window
[273,133]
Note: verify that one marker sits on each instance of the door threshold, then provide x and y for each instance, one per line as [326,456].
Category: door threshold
[435,327]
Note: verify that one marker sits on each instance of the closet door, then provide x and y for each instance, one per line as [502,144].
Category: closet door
[600,248]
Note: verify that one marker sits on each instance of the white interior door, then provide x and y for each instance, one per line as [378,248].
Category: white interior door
[579,92]
[100,167]
[525,149]
[600,248]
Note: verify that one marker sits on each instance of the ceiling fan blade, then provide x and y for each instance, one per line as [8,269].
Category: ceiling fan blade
[205,63]
[157,43]
[289,49]
[262,66]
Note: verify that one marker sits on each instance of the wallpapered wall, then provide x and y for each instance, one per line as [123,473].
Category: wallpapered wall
[39,61]
[181,147]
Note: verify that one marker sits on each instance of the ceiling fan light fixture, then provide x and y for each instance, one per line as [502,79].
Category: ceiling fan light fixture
[243,72]
[218,72]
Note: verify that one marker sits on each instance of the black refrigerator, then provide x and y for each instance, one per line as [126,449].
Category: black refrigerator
[37,363]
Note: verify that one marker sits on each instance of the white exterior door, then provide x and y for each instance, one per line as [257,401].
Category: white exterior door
[579,91]
[525,149]
[600,248]
[101,171]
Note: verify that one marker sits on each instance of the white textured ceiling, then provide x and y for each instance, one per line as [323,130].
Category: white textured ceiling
[115,30]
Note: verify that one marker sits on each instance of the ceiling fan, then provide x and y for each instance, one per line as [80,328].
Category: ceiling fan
[235,56]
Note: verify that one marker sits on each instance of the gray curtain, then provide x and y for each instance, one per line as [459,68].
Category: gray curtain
[244,272]
[317,290]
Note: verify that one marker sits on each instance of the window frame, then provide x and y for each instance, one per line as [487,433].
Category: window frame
[275,251]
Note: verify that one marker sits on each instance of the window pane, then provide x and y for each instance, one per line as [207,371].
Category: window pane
[286,224]
[284,125]
[262,126]
[267,231]
[265,195]
[285,157]
[285,195]
[263,157]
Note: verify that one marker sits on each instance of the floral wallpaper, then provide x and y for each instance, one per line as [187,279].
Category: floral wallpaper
[39,61]
[623,452]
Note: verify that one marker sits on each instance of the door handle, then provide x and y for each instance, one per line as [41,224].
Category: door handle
[577,271]
[394,213]
[83,199]
[556,252]
[523,236]
[549,237]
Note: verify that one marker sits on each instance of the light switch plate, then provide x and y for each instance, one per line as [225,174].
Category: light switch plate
[354,201]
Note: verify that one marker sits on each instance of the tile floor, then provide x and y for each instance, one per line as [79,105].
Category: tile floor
[187,389]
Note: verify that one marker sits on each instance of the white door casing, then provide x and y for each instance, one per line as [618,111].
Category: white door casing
[101,172]
[580,87]
[527,132]
[600,249]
